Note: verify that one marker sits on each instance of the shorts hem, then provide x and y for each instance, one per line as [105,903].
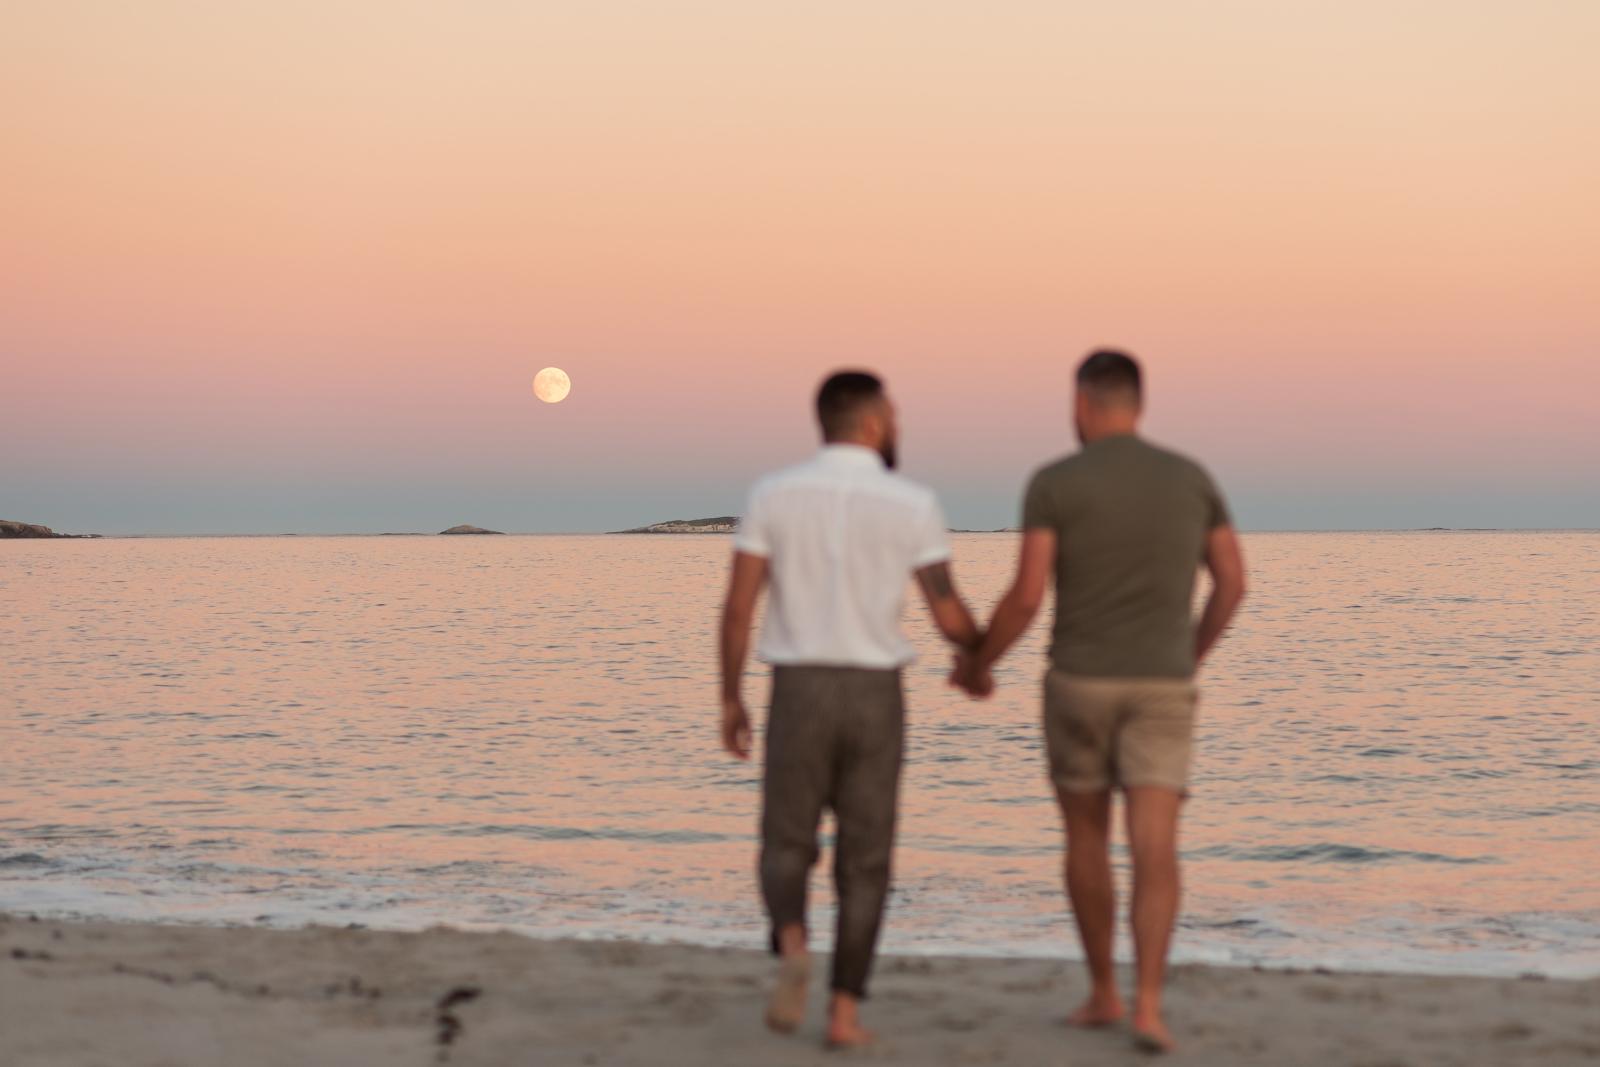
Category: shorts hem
[1182,787]
[1081,786]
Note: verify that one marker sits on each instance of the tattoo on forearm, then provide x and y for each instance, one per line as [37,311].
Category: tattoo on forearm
[936,581]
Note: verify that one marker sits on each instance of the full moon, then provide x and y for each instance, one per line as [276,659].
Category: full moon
[552,385]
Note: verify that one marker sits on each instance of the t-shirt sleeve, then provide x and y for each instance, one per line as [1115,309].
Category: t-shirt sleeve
[1038,505]
[754,535]
[932,536]
[1216,506]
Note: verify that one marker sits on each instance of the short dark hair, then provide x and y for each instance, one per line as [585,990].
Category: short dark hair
[841,399]
[1107,372]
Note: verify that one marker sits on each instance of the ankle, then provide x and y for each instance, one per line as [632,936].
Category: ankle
[792,941]
[1103,989]
[844,1023]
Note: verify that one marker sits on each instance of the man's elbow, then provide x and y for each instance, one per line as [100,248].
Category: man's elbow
[1026,601]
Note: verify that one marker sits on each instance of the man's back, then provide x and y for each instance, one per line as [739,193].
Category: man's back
[1124,527]
[836,540]
[1131,521]
[842,536]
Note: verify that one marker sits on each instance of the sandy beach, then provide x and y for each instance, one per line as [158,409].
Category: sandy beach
[132,994]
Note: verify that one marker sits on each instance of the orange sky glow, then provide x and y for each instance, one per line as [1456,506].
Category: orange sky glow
[298,262]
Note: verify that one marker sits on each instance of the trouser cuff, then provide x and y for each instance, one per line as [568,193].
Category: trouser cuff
[855,987]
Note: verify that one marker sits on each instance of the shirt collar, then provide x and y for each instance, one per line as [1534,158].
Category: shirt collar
[851,456]
[1113,440]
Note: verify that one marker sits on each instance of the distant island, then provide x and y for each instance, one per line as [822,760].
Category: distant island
[468,530]
[720,525]
[11,528]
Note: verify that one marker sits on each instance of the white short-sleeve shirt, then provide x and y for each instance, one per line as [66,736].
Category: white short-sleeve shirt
[842,535]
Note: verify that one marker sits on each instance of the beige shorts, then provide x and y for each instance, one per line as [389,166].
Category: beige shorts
[1104,732]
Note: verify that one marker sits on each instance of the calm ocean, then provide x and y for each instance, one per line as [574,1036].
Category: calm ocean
[1399,756]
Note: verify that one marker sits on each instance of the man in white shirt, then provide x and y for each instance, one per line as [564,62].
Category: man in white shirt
[836,539]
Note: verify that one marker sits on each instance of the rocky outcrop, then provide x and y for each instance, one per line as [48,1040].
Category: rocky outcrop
[10,528]
[722,524]
[467,530]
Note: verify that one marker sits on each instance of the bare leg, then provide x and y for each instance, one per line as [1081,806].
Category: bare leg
[786,1009]
[1094,898]
[792,940]
[1153,839]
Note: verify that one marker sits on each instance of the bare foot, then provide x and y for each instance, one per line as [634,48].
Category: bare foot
[846,1036]
[844,1024]
[786,1009]
[1097,1012]
[1150,1034]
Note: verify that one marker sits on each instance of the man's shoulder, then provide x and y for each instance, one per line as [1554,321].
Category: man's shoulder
[798,486]
[1089,467]
[1055,470]
[1179,461]
[809,473]
[793,474]
[897,485]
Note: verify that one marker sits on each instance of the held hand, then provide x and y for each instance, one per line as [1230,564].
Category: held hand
[735,728]
[967,676]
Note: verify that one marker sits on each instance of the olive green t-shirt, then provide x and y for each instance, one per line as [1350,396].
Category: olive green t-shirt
[1131,522]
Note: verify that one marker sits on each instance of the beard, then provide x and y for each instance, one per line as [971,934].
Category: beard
[890,451]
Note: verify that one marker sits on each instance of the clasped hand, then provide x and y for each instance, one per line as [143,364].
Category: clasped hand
[969,677]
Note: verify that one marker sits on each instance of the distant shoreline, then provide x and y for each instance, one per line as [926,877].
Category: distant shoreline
[643,532]
[12,530]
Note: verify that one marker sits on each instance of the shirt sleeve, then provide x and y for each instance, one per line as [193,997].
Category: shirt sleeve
[1038,505]
[754,536]
[932,536]
[1217,513]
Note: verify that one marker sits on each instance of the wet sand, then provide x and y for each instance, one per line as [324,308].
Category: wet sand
[135,994]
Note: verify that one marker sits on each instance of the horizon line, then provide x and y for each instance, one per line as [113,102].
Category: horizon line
[646,533]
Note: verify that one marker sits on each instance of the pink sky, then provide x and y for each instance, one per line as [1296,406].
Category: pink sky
[300,261]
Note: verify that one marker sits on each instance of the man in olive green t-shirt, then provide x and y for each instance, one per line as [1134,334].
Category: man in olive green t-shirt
[1123,526]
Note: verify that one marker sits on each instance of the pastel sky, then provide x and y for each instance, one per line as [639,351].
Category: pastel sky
[293,265]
